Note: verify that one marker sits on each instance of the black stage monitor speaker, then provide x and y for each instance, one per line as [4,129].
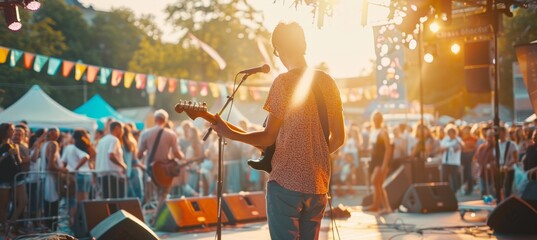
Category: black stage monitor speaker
[122,225]
[513,216]
[478,79]
[395,186]
[429,198]
[245,207]
[92,212]
[187,213]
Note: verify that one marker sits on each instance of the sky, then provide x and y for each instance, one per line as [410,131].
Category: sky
[342,43]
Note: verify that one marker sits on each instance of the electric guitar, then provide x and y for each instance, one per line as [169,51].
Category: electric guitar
[164,172]
[194,110]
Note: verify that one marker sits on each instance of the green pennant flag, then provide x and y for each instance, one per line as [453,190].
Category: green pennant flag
[104,74]
[53,65]
[150,87]
[14,57]
[183,86]
[39,62]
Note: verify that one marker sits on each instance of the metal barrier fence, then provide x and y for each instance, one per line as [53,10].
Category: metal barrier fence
[52,197]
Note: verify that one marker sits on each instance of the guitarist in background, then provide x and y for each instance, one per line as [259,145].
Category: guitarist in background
[298,184]
[167,145]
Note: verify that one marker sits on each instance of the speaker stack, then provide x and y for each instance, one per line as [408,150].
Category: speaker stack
[90,213]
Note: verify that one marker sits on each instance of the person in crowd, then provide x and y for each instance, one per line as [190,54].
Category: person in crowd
[35,179]
[529,160]
[50,157]
[486,163]
[109,163]
[188,182]
[523,141]
[134,170]
[379,166]
[209,166]
[76,157]
[451,147]
[352,146]
[428,147]
[298,184]
[508,159]
[97,136]
[19,139]
[245,153]
[468,151]
[159,144]
[232,166]
[10,166]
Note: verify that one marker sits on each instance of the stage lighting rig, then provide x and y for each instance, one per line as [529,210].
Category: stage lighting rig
[11,11]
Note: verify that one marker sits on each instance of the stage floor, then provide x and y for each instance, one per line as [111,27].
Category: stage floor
[364,225]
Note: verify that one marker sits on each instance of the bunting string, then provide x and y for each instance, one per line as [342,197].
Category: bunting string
[148,82]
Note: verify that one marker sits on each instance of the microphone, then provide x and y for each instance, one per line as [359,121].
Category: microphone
[264,69]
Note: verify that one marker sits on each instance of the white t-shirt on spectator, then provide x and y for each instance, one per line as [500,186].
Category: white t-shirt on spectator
[452,155]
[108,144]
[72,156]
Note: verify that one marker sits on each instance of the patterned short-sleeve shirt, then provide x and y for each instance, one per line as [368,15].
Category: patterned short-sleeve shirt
[301,160]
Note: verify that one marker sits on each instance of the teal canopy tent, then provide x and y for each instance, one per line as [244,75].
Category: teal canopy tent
[97,108]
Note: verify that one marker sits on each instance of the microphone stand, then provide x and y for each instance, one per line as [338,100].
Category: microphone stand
[221,143]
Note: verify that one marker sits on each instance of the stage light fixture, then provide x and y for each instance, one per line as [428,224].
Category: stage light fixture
[455,48]
[428,58]
[32,5]
[13,20]
[434,27]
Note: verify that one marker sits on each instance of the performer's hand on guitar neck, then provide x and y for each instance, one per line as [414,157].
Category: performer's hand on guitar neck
[221,127]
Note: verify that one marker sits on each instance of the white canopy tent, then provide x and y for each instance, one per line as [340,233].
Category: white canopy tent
[41,111]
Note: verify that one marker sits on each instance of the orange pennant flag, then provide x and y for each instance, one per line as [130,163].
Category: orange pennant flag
[172,85]
[141,79]
[28,60]
[80,68]
[117,75]
[128,79]
[91,75]
[161,83]
[3,54]
[67,66]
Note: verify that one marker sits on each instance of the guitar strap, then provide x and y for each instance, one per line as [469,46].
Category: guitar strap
[153,150]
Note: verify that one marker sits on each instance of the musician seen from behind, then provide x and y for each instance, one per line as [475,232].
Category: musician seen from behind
[166,149]
[298,184]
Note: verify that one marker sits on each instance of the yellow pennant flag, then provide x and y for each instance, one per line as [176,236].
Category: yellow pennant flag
[215,90]
[3,54]
[128,79]
[80,68]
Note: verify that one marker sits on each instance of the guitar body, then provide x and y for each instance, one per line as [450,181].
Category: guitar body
[164,172]
[264,163]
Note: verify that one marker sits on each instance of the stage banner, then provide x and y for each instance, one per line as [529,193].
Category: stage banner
[527,59]
[389,66]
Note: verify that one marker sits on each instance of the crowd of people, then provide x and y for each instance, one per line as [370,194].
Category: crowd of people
[113,163]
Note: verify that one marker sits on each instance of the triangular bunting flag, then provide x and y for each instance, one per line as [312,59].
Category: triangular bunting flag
[223,90]
[53,65]
[117,75]
[215,92]
[192,88]
[39,62]
[161,83]
[172,85]
[28,59]
[67,66]
[254,92]
[103,75]
[3,54]
[91,73]
[140,81]
[204,89]
[243,93]
[183,88]
[14,57]
[80,68]
[128,78]
[151,86]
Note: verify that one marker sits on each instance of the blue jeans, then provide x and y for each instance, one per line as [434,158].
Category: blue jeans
[294,215]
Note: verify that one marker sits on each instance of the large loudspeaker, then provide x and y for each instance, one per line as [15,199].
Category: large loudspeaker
[478,53]
[187,213]
[513,216]
[122,225]
[478,79]
[245,207]
[429,198]
[90,213]
[395,187]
